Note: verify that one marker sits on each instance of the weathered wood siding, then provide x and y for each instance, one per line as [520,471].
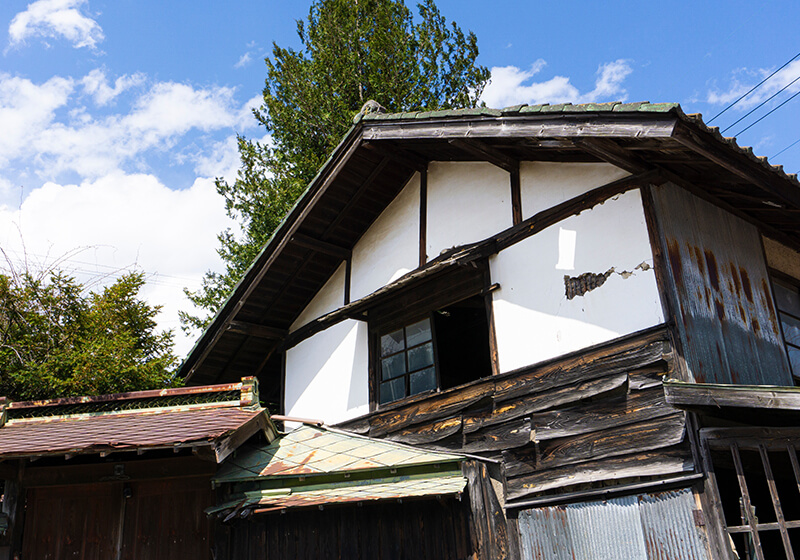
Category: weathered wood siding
[594,416]
[720,292]
[420,529]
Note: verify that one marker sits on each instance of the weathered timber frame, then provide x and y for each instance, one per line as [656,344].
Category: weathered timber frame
[732,441]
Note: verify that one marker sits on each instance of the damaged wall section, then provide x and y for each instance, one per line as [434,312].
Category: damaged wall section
[534,318]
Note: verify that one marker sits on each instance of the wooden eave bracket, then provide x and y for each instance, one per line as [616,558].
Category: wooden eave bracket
[226,445]
[611,152]
[256,330]
[486,152]
[394,152]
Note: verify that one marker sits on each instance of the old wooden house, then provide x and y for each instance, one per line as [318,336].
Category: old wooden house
[600,302]
[542,332]
[124,476]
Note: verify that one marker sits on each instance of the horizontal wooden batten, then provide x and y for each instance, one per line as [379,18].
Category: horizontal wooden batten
[259,331]
[535,126]
[144,469]
[642,436]
[699,395]
[321,246]
[522,481]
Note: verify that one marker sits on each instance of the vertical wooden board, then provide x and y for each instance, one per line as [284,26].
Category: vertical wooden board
[80,522]
[721,292]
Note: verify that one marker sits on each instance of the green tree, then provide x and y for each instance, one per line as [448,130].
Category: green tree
[56,340]
[353,51]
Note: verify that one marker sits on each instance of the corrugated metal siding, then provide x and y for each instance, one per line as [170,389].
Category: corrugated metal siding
[720,292]
[645,527]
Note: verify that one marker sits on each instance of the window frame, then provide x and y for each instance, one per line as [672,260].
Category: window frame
[420,301]
[779,279]
[718,441]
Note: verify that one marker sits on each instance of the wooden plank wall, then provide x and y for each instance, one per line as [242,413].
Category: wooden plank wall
[721,293]
[592,416]
[417,529]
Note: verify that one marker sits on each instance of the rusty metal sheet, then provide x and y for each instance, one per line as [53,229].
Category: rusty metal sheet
[317,450]
[96,433]
[433,484]
[721,292]
[656,526]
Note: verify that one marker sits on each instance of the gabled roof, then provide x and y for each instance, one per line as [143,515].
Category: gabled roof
[381,152]
[314,466]
[212,420]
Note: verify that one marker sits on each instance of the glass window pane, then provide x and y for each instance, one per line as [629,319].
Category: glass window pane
[422,381]
[794,360]
[418,332]
[791,329]
[392,342]
[393,366]
[787,299]
[393,390]
[420,357]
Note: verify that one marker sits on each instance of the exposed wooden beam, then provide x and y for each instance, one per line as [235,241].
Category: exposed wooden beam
[256,330]
[321,246]
[486,152]
[536,126]
[734,163]
[376,171]
[610,151]
[398,154]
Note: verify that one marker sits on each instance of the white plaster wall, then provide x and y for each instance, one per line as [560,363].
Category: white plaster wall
[326,375]
[390,247]
[467,202]
[329,298]
[544,184]
[535,321]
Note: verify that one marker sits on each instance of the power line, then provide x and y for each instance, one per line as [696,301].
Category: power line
[786,148]
[757,107]
[768,114]
[753,88]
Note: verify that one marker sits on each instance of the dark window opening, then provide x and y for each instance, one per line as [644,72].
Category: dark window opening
[462,337]
[442,349]
[763,477]
[787,300]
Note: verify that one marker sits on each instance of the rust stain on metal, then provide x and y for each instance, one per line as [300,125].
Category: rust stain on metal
[713,271]
[720,308]
[674,254]
[748,289]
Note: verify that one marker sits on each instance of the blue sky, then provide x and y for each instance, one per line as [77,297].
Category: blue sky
[115,115]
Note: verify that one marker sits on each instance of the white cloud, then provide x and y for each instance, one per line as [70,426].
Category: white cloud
[95,83]
[244,60]
[52,19]
[26,109]
[743,80]
[511,86]
[93,146]
[123,222]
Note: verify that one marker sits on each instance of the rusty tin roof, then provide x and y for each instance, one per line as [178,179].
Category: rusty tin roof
[196,417]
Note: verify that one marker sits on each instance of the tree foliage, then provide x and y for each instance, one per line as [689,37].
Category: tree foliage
[57,341]
[352,51]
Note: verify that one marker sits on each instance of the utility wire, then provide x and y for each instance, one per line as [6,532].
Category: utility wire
[786,148]
[753,88]
[768,114]
[757,107]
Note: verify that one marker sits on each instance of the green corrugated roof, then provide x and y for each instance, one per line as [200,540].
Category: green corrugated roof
[310,450]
